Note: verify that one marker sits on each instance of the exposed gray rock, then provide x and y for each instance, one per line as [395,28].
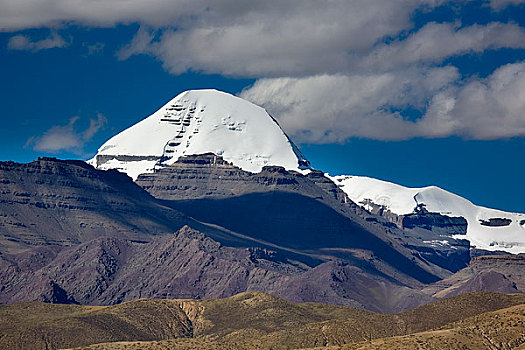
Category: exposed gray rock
[431,235]
[204,185]
[102,159]
[54,202]
[70,233]
[496,222]
[438,223]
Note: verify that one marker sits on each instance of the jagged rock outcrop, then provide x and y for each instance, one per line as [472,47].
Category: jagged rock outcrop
[440,224]
[488,229]
[496,222]
[434,236]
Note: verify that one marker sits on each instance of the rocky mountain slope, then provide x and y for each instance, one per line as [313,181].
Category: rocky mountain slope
[293,235]
[210,189]
[188,264]
[245,135]
[498,273]
[245,214]
[62,203]
[251,321]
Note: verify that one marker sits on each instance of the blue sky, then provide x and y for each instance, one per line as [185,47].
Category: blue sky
[415,92]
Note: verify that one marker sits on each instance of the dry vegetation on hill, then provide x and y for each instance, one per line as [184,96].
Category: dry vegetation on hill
[256,320]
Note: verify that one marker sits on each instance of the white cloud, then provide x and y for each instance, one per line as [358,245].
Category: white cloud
[499,5]
[490,108]
[286,38]
[94,126]
[328,69]
[437,41]
[271,38]
[22,14]
[334,108]
[66,137]
[24,43]
[140,44]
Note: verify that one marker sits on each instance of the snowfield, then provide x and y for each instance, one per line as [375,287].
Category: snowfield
[197,122]
[402,200]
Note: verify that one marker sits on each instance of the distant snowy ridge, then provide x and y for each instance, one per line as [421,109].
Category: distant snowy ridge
[488,229]
[197,122]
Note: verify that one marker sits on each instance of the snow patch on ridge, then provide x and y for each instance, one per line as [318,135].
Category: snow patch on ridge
[197,122]
[402,200]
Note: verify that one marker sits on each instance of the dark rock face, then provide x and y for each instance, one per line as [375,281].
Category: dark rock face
[496,222]
[92,236]
[209,176]
[430,235]
[300,223]
[452,257]
[382,211]
[274,203]
[441,224]
[54,202]
[102,159]
[57,295]
[475,252]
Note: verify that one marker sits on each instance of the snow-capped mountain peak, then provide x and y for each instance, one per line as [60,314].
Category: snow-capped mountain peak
[197,122]
[210,121]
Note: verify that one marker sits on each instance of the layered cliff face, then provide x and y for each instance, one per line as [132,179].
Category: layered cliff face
[293,235]
[91,236]
[249,142]
[244,135]
[53,202]
[213,190]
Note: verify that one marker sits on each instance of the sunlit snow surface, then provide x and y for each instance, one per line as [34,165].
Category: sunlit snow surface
[197,122]
[402,200]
